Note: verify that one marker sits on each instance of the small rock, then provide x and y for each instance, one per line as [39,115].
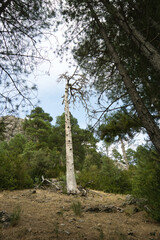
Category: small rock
[152,233]
[68,233]
[147,209]
[126,222]
[123,204]
[78,226]
[29,229]
[4,217]
[101,208]
[135,210]
[121,211]
[59,212]
[81,220]
[128,197]
[130,233]
[6,224]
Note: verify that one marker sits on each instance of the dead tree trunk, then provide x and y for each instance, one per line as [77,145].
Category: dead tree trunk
[70,173]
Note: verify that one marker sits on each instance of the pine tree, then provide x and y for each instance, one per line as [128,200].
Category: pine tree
[106,52]
[38,127]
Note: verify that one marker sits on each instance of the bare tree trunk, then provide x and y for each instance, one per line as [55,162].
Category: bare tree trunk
[145,116]
[124,153]
[70,174]
[147,49]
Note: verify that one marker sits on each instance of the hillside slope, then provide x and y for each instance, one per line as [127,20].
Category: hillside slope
[46,214]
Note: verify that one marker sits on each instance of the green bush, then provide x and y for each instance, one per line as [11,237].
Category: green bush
[13,170]
[146,182]
[43,161]
[108,178]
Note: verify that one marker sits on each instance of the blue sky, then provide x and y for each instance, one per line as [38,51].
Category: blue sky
[50,91]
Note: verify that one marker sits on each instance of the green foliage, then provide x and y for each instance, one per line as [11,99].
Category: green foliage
[56,229]
[38,113]
[107,178]
[13,170]
[23,161]
[15,216]
[38,127]
[146,182]
[2,129]
[44,162]
[101,234]
[116,155]
[92,157]
[17,144]
[77,208]
[89,178]
[119,125]
[83,140]
[41,151]
[131,156]
[92,51]
[114,179]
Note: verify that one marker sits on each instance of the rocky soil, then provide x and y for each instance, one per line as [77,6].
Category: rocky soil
[49,214]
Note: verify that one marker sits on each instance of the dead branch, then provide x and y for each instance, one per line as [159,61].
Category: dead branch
[50,183]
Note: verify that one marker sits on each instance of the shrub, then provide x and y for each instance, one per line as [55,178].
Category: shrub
[108,178]
[13,170]
[146,182]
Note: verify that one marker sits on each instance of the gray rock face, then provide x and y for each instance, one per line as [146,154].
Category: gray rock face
[13,126]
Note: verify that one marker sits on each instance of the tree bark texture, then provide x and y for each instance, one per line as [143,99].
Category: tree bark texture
[70,173]
[145,116]
[124,153]
[147,49]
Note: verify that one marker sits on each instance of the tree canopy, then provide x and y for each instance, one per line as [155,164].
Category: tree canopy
[118,49]
[119,125]
[37,126]
[22,24]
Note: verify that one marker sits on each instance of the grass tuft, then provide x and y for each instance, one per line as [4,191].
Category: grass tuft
[15,216]
[77,208]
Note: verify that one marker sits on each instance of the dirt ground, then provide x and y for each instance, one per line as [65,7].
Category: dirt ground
[47,215]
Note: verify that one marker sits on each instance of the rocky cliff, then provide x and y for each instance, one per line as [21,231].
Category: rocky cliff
[12,126]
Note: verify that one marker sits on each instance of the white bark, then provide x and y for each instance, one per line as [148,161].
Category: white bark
[70,173]
[124,153]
